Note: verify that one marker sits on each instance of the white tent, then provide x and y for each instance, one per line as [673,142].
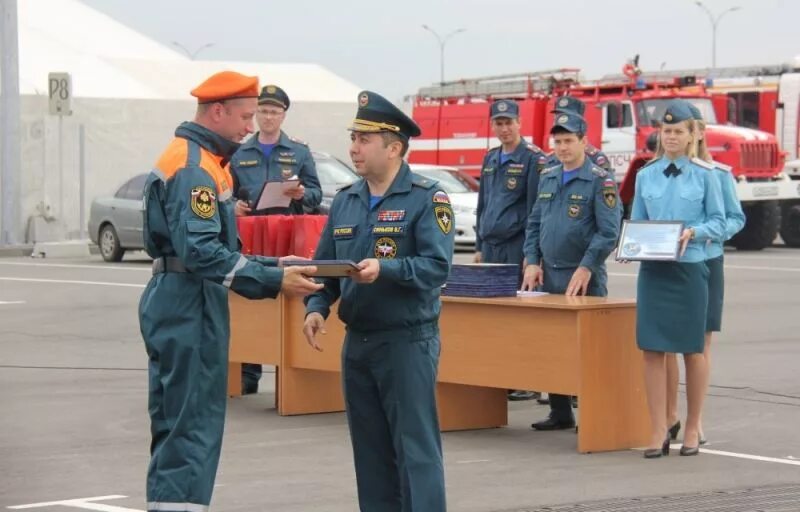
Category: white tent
[129,93]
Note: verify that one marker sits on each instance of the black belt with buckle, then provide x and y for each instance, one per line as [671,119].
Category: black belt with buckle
[168,264]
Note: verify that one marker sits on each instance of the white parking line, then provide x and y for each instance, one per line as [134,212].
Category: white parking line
[82,503]
[68,281]
[71,265]
[11,302]
[743,456]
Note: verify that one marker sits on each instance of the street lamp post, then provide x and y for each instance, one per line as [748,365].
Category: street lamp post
[442,42]
[714,23]
[192,55]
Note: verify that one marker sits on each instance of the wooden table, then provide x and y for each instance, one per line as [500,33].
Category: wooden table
[582,346]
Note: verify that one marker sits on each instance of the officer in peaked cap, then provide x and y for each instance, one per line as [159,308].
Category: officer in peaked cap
[571,231]
[272,156]
[509,179]
[399,227]
[573,105]
[190,232]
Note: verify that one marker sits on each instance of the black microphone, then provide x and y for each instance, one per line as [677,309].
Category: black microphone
[244,195]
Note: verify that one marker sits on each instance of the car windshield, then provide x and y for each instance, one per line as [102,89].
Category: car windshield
[449,182]
[333,173]
[650,112]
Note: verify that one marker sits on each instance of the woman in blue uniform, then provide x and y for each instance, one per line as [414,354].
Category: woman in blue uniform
[672,297]
[734,222]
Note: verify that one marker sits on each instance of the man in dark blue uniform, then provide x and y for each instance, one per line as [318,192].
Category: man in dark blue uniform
[572,229]
[272,156]
[190,232]
[399,227]
[572,105]
[509,179]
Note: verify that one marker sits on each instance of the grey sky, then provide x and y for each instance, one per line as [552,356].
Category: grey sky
[381,45]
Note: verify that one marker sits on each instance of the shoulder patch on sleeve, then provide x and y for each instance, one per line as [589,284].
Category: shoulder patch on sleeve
[721,166]
[441,197]
[204,202]
[702,163]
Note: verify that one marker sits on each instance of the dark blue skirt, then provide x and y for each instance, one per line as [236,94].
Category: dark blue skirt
[671,304]
[716,294]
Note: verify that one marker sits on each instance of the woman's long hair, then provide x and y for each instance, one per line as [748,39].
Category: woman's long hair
[701,146]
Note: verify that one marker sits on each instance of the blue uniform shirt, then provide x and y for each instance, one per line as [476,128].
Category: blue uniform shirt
[734,216]
[410,231]
[288,159]
[507,192]
[694,197]
[573,224]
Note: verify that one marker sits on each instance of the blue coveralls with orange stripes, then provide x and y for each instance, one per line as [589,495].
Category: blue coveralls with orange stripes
[190,231]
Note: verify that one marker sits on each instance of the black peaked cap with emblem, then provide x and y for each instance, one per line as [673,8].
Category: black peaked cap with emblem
[274,95]
[377,114]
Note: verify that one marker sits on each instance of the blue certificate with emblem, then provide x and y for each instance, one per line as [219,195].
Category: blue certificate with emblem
[326,268]
[650,240]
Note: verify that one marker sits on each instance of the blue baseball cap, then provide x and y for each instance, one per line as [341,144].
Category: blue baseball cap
[569,104]
[505,108]
[676,112]
[569,121]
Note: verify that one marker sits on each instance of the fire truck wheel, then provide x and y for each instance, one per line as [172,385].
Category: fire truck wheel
[763,221]
[790,224]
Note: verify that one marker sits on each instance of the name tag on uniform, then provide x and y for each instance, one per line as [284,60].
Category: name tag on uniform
[343,232]
[545,195]
[286,160]
[394,229]
[391,215]
[247,163]
[576,197]
[515,169]
[487,170]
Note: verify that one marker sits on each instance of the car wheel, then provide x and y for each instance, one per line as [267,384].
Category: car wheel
[108,241]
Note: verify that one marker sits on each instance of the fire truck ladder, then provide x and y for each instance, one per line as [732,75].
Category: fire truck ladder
[502,86]
[729,72]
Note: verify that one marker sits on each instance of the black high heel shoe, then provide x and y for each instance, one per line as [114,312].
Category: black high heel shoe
[655,453]
[674,429]
[688,451]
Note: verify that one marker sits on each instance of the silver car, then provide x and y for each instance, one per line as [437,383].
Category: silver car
[115,223]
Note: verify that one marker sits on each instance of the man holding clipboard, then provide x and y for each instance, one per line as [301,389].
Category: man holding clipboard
[572,229]
[399,227]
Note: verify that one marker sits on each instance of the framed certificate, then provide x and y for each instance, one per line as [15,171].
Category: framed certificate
[326,268]
[650,240]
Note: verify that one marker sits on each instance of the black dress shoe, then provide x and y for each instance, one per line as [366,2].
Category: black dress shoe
[553,424]
[674,429]
[703,440]
[519,395]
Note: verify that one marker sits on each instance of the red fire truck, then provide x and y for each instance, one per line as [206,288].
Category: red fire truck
[621,113]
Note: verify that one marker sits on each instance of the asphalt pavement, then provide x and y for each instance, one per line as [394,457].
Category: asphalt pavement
[74,424]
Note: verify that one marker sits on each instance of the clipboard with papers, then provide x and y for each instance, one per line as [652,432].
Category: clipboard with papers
[274,194]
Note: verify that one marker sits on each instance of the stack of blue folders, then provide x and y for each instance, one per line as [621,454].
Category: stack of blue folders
[483,280]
